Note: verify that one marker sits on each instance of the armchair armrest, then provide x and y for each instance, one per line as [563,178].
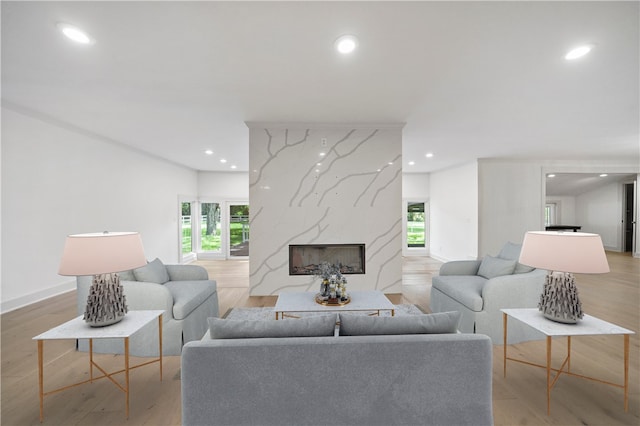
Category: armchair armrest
[187,272]
[460,267]
[514,291]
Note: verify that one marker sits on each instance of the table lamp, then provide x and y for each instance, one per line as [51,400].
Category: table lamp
[562,254]
[102,255]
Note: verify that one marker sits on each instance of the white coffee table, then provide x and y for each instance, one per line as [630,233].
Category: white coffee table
[587,326]
[371,300]
[77,328]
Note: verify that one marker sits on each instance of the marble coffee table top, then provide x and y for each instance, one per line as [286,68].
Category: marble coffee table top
[371,300]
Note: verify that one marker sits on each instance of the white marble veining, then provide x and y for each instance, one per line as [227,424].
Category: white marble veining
[77,328]
[325,184]
[587,326]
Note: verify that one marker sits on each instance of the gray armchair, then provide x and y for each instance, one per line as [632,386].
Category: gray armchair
[480,288]
[183,292]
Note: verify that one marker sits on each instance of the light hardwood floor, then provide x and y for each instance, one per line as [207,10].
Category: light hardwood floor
[518,399]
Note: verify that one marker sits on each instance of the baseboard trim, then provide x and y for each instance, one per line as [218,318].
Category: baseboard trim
[22,301]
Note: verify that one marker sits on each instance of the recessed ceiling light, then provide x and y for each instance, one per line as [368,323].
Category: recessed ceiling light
[429,155]
[75,33]
[551,175]
[223,160]
[411,163]
[578,52]
[346,44]
[208,152]
[604,175]
[233,166]
[322,154]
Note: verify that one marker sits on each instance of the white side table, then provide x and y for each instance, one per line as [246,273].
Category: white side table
[588,326]
[78,329]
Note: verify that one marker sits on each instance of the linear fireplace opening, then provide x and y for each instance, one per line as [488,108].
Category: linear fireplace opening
[304,259]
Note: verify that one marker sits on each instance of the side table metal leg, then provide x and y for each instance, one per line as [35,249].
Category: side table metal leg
[504,341]
[160,343]
[626,373]
[548,375]
[126,373]
[41,378]
[569,354]
[91,360]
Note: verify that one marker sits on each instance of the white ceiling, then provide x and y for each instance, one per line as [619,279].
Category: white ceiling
[469,79]
[572,184]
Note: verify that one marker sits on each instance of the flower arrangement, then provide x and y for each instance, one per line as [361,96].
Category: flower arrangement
[333,288]
[327,270]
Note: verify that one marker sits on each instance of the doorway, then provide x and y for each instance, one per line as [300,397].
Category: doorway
[238,230]
[629,222]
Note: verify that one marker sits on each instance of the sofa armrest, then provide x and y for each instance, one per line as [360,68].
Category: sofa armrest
[460,267]
[514,291]
[139,295]
[187,272]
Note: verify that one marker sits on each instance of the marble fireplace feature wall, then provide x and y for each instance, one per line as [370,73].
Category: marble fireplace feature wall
[325,184]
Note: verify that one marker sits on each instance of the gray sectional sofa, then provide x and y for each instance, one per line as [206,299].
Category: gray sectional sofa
[478,289]
[376,375]
[184,292]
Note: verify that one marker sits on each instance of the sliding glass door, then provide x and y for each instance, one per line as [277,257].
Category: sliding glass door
[238,230]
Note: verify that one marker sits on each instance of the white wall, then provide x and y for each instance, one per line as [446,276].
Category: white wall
[512,195]
[600,212]
[57,180]
[511,202]
[454,213]
[352,194]
[229,186]
[415,186]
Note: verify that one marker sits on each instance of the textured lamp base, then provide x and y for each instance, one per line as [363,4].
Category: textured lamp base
[106,303]
[559,299]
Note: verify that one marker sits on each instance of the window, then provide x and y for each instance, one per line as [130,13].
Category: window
[415,224]
[550,214]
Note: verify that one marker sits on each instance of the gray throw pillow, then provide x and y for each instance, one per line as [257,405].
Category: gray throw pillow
[363,325]
[492,267]
[522,269]
[317,326]
[152,272]
[127,275]
[510,251]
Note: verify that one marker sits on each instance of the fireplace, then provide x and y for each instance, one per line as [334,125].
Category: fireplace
[304,259]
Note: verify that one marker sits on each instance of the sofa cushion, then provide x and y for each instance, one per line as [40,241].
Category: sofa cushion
[464,289]
[152,272]
[317,326]
[362,325]
[492,267]
[188,295]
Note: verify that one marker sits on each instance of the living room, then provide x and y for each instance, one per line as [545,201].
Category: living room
[71,163]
